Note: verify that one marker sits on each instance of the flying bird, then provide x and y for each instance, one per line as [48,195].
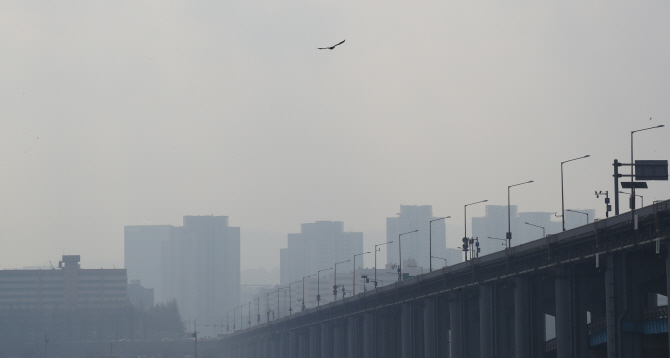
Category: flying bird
[331,47]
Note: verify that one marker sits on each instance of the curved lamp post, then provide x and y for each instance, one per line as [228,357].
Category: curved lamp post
[400,254]
[354,273]
[318,287]
[509,219]
[430,243]
[503,240]
[541,227]
[632,171]
[580,212]
[335,280]
[563,196]
[376,249]
[303,290]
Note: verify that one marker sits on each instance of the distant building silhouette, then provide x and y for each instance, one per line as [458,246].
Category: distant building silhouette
[201,267]
[198,264]
[319,246]
[416,245]
[69,287]
[142,255]
[140,296]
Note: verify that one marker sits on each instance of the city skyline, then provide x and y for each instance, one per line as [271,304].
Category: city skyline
[135,114]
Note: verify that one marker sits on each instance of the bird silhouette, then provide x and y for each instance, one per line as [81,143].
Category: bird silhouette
[331,47]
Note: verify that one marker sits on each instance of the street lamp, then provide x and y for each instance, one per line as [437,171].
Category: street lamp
[303,290]
[278,310]
[318,289]
[509,219]
[640,196]
[234,320]
[445,260]
[267,298]
[354,273]
[541,227]
[290,307]
[465,227]
[258,310]
[376,249]
[249,316]
[400,254]
[503,240]
[580,212]
[632,172]
[563,196]
[335,281]
[430,242]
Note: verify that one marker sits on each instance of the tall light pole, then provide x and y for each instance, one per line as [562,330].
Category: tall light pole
[258,310]
[430,242]
[318,287]
[562,195]
[580,212]
[267,303]
[234,319]
[632,173]
[639,196]
[503,240]
[290,307]
[509,218]
[354,273]
[278,310]
[400,254]
[541,227]
[249,316]
[441,258]
[335,280]
[303,290]
[376,249]
[465,227]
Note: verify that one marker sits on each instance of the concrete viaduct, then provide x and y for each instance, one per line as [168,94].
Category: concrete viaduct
[600,282]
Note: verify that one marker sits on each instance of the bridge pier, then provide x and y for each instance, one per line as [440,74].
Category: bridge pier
[537,318]
[564,316]
[351,337]
[429,329]
[406,330]
[443,328]
[338,341]
[313,341]
[521,318]
[368,335]
[456,326]
[303,344]
[485,321]
[325,341]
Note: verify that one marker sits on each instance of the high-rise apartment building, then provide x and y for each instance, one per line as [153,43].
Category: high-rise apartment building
[198,264]
[142,255]
[319,246]
[201,267]
[416,245]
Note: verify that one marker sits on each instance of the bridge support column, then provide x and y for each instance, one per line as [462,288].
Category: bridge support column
[338,341]
[385,342]
[485,322]
[352,342]
[538,325]
[406,329]
[325,341]
[521,318]
[292,344]
[611,305]
[368,335]
[456,327]
[667,279]
[283,345]
[429,329]
[303,344]
[313,341]
[442,309]
[564,348]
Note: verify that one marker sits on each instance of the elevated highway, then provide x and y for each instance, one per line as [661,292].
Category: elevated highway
[599,282]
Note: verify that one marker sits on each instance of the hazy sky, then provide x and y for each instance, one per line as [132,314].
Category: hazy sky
[140,112]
